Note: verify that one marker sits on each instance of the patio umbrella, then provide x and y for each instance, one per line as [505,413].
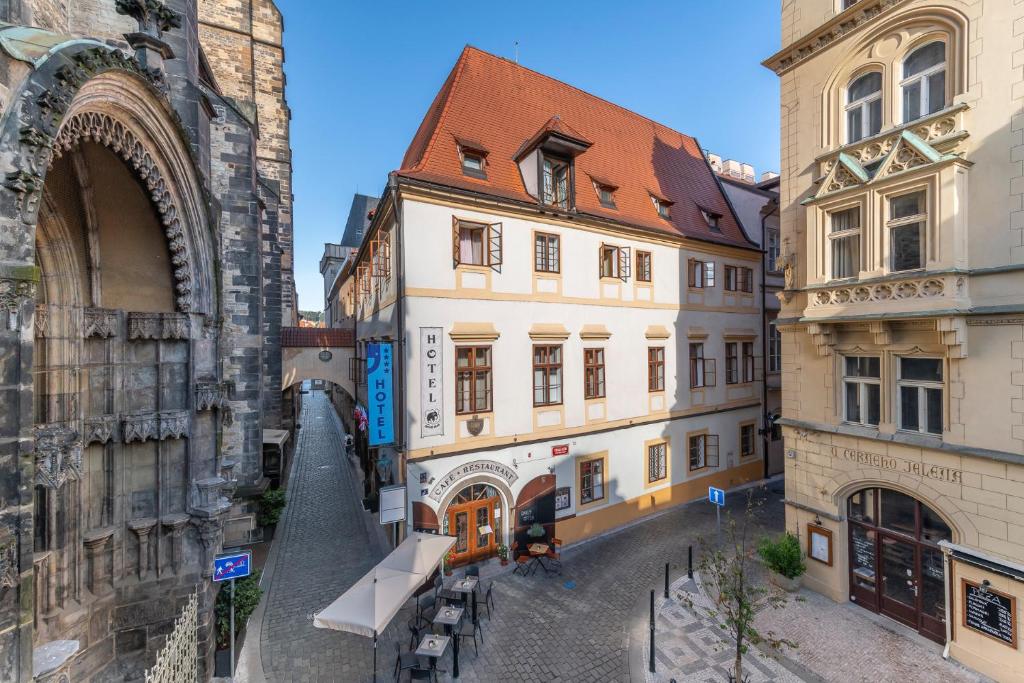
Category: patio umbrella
[419,553]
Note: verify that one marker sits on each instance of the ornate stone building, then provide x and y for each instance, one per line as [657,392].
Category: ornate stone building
[145,246]
[903,313]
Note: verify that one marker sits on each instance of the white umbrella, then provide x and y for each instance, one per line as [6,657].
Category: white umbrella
[368,606]
[420,553]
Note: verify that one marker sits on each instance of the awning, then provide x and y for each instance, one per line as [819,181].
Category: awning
[275,437]
[367,607]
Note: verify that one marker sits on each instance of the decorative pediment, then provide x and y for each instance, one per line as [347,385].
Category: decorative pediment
[908,153]
[846,173]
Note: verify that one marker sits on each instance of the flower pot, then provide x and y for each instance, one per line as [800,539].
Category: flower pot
[504,561]
[786,584]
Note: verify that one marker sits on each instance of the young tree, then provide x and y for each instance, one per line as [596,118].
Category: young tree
[730,577]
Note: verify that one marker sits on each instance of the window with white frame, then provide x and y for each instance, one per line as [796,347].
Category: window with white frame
[919,385]
[907,219]
[844,242]
[773,250]
[861,390]
[774,348]
[864,107]
[924,81]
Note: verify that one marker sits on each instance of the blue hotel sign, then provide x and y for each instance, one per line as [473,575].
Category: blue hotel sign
[380,389]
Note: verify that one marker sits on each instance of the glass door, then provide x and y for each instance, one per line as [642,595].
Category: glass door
[898,560]
[933,594]
[459,524]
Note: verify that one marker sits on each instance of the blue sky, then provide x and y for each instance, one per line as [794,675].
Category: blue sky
[362,74]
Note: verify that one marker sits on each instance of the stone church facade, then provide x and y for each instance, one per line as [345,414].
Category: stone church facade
[145,274]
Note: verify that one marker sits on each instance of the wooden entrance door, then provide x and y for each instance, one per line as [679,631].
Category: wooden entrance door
[898,569]
[468,522]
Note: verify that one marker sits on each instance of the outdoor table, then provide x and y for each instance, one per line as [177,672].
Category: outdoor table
[467,585]
[449,617]
[433,653]
[538,551]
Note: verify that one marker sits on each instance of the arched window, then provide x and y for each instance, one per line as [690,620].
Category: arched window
[864,107]
[924,81]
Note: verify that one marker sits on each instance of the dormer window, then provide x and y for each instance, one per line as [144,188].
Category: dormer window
[712,219]
[605,192]
[663,206]
[556,182]
[474,158]
[472,164]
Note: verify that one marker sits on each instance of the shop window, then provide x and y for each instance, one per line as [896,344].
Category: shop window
[861,390]
[774,348]
[593,373]
[614,262]
[547,375]
[844,242]
[920,394]
[907,220]
[476,244]
[473,380]
[703,451]
[701,274]
[591,480]
[546,256]
[732,363]
[657,462]
[924,81]
[643,266]
[656,368]
[747,443]
[702,370]
[864,107]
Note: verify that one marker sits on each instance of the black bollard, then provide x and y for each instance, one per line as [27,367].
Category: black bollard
[689,562]
[666,580]
[652,631]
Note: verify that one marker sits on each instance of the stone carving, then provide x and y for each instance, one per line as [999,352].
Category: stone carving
[99,322]
[865,11]
[140,427]
[904,159]
[96,554]
[210,539]
[209,395]
[841,180]
[58,454]
[144,326]
[174,424]
[42,320]
[925,288]
[823,337]
[8,565]
[176,326]
[103,129]
[175,524]
[142,527]
[14,294]
[153,16]
[100,429]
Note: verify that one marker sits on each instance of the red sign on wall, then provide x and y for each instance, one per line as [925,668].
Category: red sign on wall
[562,449]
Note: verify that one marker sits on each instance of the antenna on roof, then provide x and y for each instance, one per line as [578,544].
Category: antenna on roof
[517,52]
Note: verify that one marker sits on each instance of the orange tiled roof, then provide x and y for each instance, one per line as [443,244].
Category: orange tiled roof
[503,105]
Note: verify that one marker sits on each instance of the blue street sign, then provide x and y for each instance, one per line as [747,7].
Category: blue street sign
[380,387]
[716,496]
[233,566]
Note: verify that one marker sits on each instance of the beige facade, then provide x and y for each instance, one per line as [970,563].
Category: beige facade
[903,313]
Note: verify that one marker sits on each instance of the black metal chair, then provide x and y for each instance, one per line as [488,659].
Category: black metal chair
[489,599]
[421,674]
[404,660]
[469,629]
[426,606]
[473,571]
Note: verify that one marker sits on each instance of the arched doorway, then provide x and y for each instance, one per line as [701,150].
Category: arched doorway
[896,565]
[471,519]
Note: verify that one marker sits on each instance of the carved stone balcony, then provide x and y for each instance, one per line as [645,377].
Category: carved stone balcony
[939,292]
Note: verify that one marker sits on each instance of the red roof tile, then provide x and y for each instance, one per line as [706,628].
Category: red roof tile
[316,337]
[503,105]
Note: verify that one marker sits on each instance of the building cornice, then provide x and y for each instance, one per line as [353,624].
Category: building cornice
[829,33]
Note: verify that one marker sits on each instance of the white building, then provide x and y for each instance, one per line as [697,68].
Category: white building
[574,311]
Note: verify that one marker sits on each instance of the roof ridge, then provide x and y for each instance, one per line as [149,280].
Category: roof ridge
[460,66]
[657,124]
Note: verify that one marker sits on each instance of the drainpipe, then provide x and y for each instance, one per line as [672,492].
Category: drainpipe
[402,345]
[766,426]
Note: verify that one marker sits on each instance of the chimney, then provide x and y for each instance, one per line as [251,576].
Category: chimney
[748,173]
[768,175]
[732,168]
[715,161]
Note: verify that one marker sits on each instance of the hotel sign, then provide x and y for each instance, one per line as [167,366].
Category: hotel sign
[491,467]
[431,383]
[902,465]
[380,387]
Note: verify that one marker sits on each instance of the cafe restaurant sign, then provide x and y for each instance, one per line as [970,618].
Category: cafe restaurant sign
[901,465]
[490,467]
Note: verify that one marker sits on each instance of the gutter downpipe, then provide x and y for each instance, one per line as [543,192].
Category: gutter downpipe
[765,426]
[402,342]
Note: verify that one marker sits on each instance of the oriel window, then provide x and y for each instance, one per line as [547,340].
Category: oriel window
[907,220]
[844,242]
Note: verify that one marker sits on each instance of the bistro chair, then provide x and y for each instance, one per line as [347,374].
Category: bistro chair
[404,660]
[426,606]
[555,554]
[522,560]
[468,629]
[421,674]
[473,571]
[489,599]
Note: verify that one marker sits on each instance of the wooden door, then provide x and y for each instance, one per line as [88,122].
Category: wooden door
[465,522]
[900,585]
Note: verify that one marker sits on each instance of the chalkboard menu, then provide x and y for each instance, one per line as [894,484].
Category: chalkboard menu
[864,551]
[990,612]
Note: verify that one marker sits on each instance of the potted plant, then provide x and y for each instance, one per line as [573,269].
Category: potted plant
[449,558]
[535,530]
[784,560]
[503,554]
[272,503]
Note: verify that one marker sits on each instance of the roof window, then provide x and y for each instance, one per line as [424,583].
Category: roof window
[663,206]
[712,219]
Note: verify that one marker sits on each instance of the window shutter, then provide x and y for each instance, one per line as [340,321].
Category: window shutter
[494,245]
[690,273]
[455,242]
[625,263]
[710,372]
[711,450]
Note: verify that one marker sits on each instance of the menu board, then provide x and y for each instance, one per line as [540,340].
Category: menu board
[819,544]
[863,552]
[990,612]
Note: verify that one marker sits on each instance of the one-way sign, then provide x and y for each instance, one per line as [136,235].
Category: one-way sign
[716,496]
